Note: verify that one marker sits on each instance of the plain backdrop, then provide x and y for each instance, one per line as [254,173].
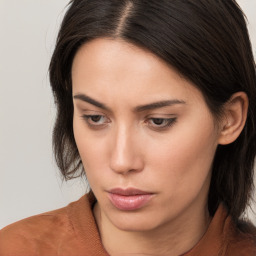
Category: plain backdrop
[29,180]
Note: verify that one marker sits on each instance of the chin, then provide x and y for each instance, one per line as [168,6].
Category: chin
[134,221]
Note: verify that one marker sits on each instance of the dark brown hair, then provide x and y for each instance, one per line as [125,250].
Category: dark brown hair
[204,40]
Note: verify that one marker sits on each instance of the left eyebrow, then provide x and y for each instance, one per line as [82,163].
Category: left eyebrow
[159,104]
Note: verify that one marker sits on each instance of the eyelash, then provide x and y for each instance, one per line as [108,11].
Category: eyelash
[93,124]
[168,122]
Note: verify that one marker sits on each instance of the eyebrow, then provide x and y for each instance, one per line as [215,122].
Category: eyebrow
[141,108]
[89,100]
[159,104]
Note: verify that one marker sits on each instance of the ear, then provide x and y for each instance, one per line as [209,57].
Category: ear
[234,118]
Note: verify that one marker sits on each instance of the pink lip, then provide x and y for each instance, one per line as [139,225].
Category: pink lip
[129,199]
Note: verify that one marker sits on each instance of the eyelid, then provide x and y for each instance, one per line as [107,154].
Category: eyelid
[168,123]
[87,112]
[168,120]
[95,125]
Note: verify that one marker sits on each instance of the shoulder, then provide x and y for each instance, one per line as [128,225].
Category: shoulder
[241,240]
[37,231]
[44,232]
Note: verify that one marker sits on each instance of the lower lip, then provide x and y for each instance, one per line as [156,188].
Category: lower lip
[129,203]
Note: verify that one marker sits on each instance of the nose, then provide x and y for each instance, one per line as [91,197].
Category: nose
[126,156]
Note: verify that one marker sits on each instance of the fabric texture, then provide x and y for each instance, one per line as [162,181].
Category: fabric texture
[72,231]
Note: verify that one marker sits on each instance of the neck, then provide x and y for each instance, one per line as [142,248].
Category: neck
[172,239]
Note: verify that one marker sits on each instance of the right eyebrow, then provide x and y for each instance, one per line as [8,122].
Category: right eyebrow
[89,100]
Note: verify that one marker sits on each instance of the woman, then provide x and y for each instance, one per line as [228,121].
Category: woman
[156,106]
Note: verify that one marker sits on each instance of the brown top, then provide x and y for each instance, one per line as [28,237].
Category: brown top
[72,231]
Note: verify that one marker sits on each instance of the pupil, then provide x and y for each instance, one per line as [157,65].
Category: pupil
[158,121]
[95,118]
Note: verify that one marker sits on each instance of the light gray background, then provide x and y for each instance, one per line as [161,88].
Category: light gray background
[29,179]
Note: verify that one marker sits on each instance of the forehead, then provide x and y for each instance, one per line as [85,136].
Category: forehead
[114,68]
[108,55]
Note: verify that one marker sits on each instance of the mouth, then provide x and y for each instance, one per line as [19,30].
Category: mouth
[129,199]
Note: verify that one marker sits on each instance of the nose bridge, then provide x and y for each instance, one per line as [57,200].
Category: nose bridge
[124,154]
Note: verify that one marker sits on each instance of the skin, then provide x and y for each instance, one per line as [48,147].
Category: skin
[165,150]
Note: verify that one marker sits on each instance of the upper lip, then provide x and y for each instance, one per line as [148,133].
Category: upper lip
[128,191]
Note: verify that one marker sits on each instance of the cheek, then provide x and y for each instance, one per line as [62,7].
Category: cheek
[86,146]
[92,150]
[184,159]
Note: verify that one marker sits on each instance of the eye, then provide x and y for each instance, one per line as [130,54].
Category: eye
[96,121]
[160,123]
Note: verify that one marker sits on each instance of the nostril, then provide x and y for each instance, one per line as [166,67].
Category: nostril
[124,164]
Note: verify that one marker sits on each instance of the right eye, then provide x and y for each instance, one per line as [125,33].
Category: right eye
[96,121]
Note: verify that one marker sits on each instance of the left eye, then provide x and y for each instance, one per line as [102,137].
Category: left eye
[161,122]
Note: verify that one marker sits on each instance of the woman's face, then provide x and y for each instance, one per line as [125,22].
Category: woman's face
[145,136]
